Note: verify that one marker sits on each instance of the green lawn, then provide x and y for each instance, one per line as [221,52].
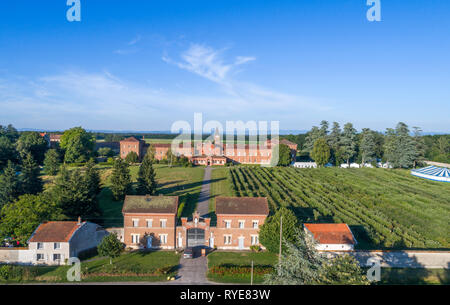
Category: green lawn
[405,276]
[233,260]
[172,181]
[134,266]
[219,187]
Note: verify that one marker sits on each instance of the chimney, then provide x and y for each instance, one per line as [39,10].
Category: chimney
[79,220]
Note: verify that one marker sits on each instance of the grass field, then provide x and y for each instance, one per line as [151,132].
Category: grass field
[135,266]
[385,208]
[175,181]
[234,260]
[407,276]
[219,187]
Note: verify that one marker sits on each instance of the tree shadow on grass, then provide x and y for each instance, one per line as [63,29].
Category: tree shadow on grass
[187,186]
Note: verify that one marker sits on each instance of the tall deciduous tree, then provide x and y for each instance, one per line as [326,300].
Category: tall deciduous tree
[120,180]
[321,152]
[32,142]
[77,144]
[348,142]
[52,162]
[20,218]
[269,233]
[31,182]
[9,185]
[146,177]
[284,153]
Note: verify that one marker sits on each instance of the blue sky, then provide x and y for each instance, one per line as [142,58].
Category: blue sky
[141,65]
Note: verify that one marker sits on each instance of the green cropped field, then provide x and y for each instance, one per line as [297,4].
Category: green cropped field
[384,208]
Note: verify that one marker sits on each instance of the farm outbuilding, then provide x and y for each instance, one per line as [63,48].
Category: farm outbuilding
[433,173]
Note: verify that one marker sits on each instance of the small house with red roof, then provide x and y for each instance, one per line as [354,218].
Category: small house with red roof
[331,236]
[53,242]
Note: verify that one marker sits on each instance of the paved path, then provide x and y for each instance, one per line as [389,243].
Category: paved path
[405,259]
[193,271]
[205,195]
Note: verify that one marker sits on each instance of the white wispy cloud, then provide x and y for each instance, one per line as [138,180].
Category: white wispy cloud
[130,47]
[209,63]
[102,100]
[135,40]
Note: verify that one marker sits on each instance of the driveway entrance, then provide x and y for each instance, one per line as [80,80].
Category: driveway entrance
[195,237]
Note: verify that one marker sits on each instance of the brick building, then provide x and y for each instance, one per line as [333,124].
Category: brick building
[132,144]
[209,153]
[238,221]
[150,222]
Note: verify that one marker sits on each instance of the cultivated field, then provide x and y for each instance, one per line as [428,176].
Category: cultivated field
[385,208]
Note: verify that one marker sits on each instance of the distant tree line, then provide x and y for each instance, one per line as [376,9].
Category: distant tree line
[401,146]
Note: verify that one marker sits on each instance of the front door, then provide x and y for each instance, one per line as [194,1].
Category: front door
[195,237]
[241,243]
[149,242]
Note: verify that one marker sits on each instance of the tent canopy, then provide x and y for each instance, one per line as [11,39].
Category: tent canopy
[433,173]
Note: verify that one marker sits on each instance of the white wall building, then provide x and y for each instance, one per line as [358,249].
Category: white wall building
[54,242]
[305,164]
[331,236]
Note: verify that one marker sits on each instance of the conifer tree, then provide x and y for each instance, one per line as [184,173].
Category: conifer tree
[9,185]
[367,146]
[52,162]
[348,142]
[146,177]
[31,182]
[120,180]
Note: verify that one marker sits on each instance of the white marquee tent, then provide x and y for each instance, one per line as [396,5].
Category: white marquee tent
[433,173]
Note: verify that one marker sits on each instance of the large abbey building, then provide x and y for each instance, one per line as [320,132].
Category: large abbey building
[208,153]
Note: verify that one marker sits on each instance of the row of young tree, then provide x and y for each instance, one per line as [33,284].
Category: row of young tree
[398,146]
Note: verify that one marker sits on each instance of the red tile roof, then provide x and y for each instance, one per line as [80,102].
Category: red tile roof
[242,206]
[130,139]
[331,233]
[55,231]
[55,137]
